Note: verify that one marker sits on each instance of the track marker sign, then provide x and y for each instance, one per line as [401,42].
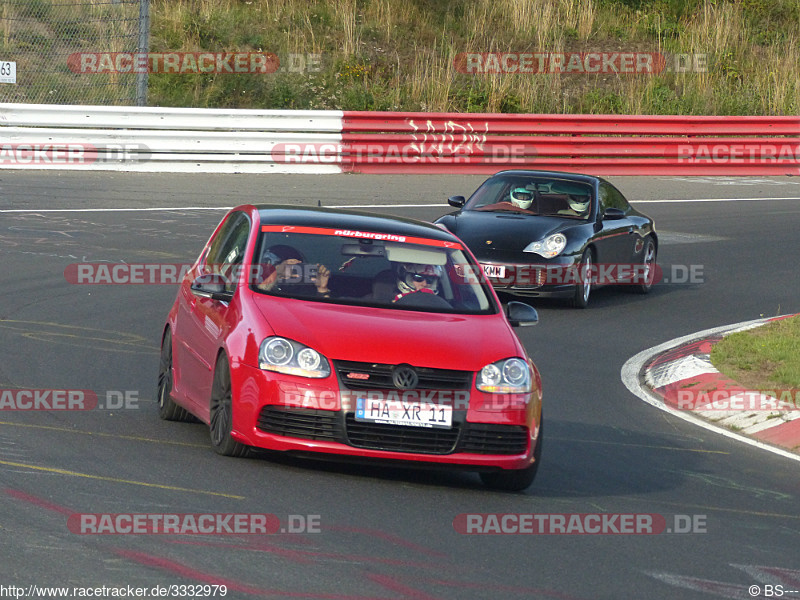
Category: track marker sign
[8,71]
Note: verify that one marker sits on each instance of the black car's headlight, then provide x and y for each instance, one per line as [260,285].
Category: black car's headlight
[509,376]
[549,247]
[287,356]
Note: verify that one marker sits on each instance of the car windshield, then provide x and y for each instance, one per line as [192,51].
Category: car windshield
[370,269]
[542,196]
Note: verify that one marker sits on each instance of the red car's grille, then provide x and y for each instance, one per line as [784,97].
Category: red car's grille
[484,438]
[397,438]
[326,425]
[308,424]
[361,376]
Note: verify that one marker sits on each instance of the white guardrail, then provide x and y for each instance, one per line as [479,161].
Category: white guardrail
[152,139]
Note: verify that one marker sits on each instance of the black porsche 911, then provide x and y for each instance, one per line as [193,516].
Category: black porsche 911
[552,234]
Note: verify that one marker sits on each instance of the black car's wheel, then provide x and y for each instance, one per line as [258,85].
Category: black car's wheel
[516,481]
[167,409]
[646,274]
[222,413]
[583,288]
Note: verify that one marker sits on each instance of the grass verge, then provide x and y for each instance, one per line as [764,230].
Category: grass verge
[764,358]
[399,54]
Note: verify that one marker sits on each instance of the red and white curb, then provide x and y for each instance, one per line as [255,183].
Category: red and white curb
[678,377]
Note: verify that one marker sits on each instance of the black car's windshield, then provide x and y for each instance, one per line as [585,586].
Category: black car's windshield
[529,195]
[369,268]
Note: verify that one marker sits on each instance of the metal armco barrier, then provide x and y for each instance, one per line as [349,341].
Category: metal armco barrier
[277,141]
[172,140]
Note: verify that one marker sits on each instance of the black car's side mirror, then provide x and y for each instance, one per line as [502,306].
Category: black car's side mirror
[212,285]
[457,201]
[613,214]
[521,314]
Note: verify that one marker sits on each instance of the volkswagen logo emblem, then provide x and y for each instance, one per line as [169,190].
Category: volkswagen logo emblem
[405,377]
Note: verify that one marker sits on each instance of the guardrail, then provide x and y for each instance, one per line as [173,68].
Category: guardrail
[154,139]
[598,144]
[262,141]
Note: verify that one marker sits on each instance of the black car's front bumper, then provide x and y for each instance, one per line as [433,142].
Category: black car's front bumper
[534,280]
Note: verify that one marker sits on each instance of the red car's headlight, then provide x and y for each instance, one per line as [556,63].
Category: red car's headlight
[293,358]
[509,376]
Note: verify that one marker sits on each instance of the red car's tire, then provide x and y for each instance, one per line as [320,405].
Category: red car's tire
[167,409]
[221,413]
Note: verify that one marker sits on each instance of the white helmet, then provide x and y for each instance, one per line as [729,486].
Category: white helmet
[411,272]
[521,197]
[580,204]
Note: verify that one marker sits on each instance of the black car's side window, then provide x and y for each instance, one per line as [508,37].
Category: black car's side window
[228,246]
[611,197]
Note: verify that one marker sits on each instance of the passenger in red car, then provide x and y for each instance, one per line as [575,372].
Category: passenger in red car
[290,271]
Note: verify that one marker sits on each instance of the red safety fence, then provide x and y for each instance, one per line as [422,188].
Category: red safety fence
[481,143]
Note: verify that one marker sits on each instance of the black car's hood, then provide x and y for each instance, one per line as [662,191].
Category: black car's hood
[503,231]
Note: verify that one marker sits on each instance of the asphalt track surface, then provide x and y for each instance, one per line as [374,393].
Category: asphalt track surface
[384,533]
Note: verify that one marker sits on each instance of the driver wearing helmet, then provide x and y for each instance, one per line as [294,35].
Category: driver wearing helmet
[521,197]
[578,206]
[412,278]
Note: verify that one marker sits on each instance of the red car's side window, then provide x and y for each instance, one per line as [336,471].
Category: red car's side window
[228,246]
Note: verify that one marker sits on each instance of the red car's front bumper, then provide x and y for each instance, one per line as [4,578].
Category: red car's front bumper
[294,414]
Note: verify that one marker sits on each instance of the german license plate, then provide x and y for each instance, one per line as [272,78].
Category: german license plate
[497,271]
[399,412]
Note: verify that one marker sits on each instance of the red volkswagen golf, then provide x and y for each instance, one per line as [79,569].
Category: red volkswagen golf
[315,331]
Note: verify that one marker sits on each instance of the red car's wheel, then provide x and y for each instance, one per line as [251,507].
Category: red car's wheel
[222,413]
[167,409]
